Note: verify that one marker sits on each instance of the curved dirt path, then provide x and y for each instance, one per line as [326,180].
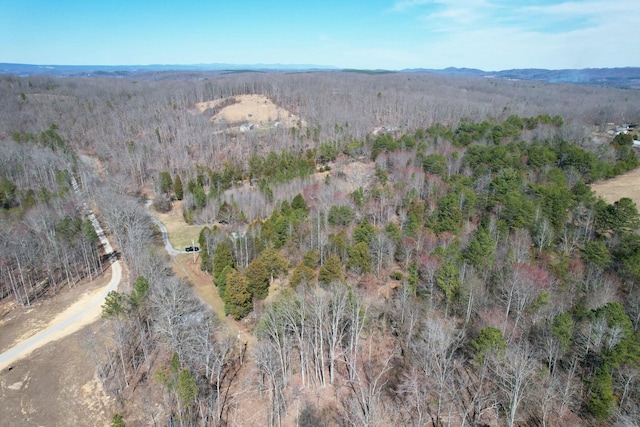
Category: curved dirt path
[80,314]
[165,234]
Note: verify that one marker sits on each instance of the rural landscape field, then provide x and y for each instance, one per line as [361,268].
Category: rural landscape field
[318,248]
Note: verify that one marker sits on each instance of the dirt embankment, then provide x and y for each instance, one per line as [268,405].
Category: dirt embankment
[56,385]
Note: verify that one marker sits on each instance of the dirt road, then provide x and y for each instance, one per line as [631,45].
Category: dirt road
[83,312]
[163,231]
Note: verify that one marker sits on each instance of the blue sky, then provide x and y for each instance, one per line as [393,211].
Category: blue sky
[388,34]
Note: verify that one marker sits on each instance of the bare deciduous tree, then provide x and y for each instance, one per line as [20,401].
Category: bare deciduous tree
[514,373]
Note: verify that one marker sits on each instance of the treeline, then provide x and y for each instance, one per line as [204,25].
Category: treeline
[46,240]
[138,122]
[210,184]
[516,146]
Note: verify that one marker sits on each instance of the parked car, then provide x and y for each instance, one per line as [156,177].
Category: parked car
[192,249]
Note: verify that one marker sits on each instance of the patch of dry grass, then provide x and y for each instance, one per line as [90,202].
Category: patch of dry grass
[627,185]
[185,266]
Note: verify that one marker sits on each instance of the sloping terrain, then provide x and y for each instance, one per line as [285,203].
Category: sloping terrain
[56,385]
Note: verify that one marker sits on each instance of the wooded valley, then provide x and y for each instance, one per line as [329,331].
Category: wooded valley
[394,249]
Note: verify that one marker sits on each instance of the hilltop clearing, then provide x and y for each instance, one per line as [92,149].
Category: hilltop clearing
[248,112]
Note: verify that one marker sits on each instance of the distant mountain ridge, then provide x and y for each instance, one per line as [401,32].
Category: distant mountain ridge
[626,77]
[124,70]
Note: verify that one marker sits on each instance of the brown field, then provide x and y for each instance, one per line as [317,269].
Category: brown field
[627,185]
[56,385]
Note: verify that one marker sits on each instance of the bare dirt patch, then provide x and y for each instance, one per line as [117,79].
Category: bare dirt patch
[355,175]
[55,382]
[627,185]
[56,385]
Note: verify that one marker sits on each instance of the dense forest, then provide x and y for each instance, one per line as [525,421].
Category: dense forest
[415,250]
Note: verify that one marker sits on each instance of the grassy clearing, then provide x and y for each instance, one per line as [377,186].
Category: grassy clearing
[202,283]
[181,234]
[614,189]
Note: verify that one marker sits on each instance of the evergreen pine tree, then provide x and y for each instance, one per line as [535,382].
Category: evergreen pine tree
[257,279]
[331,270]
[481,250]
[298,202]
[237,299]
[177,187]
[222,258]
[117,421]
[221,281]
[165,182]
[363,232]
[360,258]
[274,261]
[302,274]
